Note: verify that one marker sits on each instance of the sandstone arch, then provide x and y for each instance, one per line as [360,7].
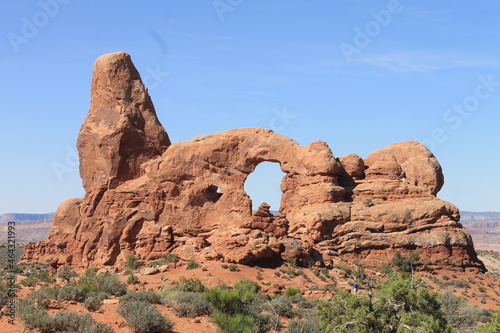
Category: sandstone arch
[148,197]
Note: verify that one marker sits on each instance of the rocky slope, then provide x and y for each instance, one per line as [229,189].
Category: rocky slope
[147,196]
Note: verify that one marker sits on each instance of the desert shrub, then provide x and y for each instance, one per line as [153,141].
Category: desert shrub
[481,289]
[247,286]
[97,328]
[292,261]
[291,291]
[70,293]
[44,295]
[142,317]
[71,321]
[232,267]
[189,285]
[346,269]
[310,325]
[36,318]
[282,306]
[132,261]
[224,266]
[369,202]
[240,309]
[399,303]
[91,282]
[191,264]
[307,303]
[234,323]
[296,298]
[325,271]
[491,327]
[385,269]
[189,304]
[66,273]
[33,317]
[170,258]
[224,299]
[94,301]
[460,314]
[403,263]
[277,273]
[147,296]
[28,282]
[4,297]
[109,284]
[132,279]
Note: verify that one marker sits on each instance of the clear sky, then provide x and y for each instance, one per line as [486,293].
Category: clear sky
[359,75]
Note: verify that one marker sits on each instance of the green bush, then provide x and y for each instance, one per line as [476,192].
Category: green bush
[109,284]
[70,293]
[189,285]
[282,306]
[491,327]
[147,296]
[224,299]
[291,291]
[171,258]
[132,261]
[94,301]
[325,271]
[189,304]
[232,267]
[385,269]
[35,318]
[310,325]
[44,295]
[66,273]
[142,317]
[234,323]
[191,264]
[132,279]
[403,263]
[71,321]
[460,314]
[4,297]
[400,303]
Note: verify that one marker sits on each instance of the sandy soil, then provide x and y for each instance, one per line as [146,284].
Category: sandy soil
[211,273]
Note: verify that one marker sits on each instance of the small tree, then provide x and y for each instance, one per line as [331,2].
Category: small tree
[403,263]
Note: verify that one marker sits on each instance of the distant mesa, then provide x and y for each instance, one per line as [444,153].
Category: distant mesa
[148,196]
[23,217]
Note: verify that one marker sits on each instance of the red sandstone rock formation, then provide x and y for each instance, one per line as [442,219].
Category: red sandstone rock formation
[148,197]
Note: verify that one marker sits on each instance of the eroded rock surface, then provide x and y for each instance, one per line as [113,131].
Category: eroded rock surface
[149,197]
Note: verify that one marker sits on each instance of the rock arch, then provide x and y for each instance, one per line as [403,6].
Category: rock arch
[147,196]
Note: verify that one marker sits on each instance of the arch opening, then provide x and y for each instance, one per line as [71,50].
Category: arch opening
[264,185]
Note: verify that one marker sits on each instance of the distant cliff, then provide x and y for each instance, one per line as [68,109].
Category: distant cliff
[467,217]
[22,217]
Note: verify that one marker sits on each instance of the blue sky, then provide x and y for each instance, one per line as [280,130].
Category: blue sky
[359,75]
